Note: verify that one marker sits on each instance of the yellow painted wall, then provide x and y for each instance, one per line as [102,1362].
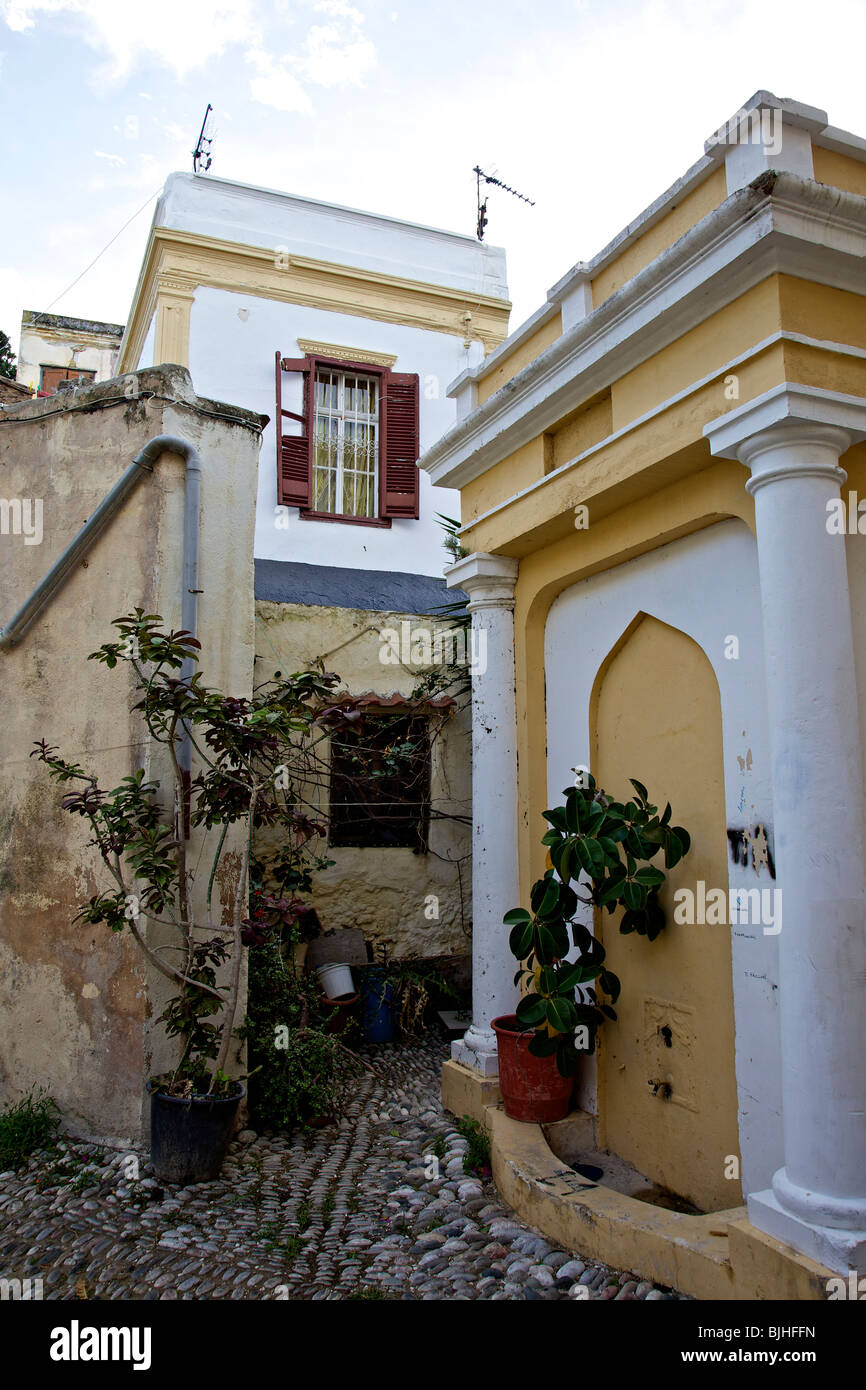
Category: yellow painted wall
[520,358]
[589,425]
[385,893]
[685,214]
[722,337]
[715,494]
[839,171]
[819,311]
[671,442]
[675,223]
[525,466]
[656,715]
[832,371]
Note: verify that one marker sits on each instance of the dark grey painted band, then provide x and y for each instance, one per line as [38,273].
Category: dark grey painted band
[327,586]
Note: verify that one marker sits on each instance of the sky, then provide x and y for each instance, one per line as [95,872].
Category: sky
[590,108]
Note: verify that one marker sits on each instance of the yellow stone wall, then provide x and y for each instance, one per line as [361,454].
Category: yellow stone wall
[383,892]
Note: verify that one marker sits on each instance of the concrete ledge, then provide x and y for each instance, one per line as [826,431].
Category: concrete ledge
[719,1256]
[765,1268]
[464,1092]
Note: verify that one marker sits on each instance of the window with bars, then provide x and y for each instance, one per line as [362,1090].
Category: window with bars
[380,783]
[345,443]
[350,453]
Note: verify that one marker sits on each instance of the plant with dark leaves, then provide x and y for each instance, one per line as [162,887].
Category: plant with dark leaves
[605,847]
[252,756]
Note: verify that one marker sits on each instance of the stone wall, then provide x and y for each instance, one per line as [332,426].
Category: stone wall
[77,1005]
[390,894]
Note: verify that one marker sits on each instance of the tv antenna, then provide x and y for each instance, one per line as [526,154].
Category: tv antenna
[482,206]
[201,155]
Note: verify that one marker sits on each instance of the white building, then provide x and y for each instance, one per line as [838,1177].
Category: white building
[54,348]
[344,328]
[234,276]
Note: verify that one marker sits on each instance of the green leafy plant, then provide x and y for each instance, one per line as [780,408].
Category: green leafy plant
[7,357]
[253,753]
[451,539]
[476,1159]
[298,1069]
[611,844]
[27,1126]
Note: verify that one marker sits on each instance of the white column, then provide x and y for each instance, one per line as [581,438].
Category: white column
[489,581]
[791,440]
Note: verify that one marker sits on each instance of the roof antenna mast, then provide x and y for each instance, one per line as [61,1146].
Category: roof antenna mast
[201,155]
[482,206]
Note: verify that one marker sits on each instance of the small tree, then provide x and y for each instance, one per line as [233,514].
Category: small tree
[254,754]
[7,357]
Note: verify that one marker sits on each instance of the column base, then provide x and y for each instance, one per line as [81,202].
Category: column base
[484,1063]
[838,1249]
[466,1092]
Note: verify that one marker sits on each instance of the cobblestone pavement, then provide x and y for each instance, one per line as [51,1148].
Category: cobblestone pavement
[347,1211]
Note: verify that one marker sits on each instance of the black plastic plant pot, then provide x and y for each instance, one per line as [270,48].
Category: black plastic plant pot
[189,1139]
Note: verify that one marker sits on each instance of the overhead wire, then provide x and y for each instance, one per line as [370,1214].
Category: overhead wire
[43,312]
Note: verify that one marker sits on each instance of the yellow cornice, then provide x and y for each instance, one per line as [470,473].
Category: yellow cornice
[177,262]
[309,346]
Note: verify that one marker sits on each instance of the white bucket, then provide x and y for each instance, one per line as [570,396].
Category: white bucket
[336,980]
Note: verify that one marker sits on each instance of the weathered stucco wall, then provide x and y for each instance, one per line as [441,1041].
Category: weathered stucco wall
[76,1003]
[383,892]
[51,340]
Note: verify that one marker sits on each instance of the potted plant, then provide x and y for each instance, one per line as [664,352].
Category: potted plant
[395,994]
[300,1071]
[605,847]
[247,749]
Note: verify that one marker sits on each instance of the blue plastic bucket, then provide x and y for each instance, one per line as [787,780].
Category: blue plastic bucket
[377,1006]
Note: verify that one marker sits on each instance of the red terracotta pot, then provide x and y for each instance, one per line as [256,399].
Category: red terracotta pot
[338,1012]
[532,1088]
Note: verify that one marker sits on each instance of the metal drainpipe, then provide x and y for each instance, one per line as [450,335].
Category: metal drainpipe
[142,464]
[173,444]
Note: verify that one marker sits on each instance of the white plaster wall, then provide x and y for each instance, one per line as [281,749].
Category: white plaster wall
[327,232]
[707,586]
[36,351]
[233,339]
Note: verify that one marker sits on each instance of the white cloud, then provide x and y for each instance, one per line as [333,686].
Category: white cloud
[112,158]
[275,86]
[335,54]
[334,59]
[340,9]
[182,36]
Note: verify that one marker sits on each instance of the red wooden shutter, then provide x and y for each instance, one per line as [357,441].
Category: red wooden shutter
[398,471]
[294,452]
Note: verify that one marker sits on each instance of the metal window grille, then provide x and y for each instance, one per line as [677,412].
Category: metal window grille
[346,443]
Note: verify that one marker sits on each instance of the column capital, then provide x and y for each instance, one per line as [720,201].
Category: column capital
[790,415]
[489,580]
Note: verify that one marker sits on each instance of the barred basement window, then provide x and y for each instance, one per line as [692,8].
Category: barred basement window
[380,783]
